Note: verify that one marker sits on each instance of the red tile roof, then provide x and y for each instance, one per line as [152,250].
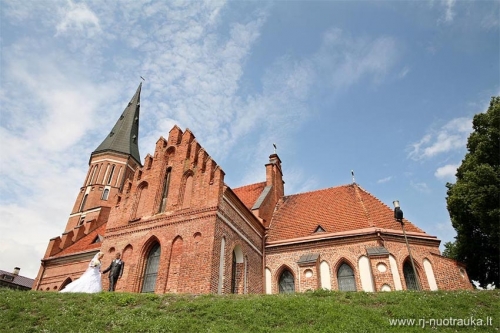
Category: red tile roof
[85,243]
[250,193]
[336,209]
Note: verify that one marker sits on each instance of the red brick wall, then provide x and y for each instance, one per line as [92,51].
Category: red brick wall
[336,252]
[54,274]
[450,274]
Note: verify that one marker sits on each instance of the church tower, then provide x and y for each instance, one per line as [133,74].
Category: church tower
[114,161]
[111,164]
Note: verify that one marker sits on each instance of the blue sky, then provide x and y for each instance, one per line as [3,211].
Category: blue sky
[385,88]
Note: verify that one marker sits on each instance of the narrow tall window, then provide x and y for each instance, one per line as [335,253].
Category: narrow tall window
[82,205]
[105,194]
[410,278]
[111,174]
[233,275]
[345,277]
[91,175]
[151,271]
[118,178]
[164,194]
[96,179]
[105,175]
[286,282]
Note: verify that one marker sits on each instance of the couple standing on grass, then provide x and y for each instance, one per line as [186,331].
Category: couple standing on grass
[90,281]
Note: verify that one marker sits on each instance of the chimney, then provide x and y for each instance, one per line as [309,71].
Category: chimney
[274,176]
[16,271]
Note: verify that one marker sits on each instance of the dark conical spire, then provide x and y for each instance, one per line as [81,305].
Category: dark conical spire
[124,137]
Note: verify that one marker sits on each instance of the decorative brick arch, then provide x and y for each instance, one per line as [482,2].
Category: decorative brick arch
[127,252]
[174,282]
[237,270]
[186,189]
[137,210]
[344,260]
[170,151]
[67,281]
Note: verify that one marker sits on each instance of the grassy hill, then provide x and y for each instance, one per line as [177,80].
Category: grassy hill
[320,311]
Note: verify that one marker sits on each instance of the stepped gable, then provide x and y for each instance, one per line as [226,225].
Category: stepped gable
[337,209]
[249,194]
[84,244]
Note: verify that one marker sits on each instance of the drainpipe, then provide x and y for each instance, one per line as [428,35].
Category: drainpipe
[264,261]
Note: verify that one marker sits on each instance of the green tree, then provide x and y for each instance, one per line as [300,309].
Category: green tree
[450,250]
[474,200]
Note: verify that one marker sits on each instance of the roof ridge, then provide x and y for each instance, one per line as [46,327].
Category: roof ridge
[360,199]
[318,190]
[385,205]
[254,184]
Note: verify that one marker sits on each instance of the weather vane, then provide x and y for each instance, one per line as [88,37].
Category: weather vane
[274,145]
[143,79]
[353,180]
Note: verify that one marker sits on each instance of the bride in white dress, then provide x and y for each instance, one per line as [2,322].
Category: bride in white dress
[90,281]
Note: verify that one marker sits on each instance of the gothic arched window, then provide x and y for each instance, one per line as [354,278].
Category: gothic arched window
[111,174]
[151,270]
[286,282]
[82,205]
[164,193]
[410,278]
[345,277]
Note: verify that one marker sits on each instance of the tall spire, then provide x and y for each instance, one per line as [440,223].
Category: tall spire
[124,137]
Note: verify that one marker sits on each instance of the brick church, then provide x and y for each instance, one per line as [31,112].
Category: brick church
[181,229]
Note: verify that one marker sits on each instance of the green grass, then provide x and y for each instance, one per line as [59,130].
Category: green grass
[319,311]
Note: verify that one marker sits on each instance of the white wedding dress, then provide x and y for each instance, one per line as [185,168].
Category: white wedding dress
[89,282]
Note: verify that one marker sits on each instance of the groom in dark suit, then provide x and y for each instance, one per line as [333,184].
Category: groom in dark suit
[115,271]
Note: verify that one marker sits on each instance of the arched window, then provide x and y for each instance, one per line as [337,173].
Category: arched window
[164,194]
[345,277]
[151,270]
[233,275]
[286,282]
[65,283]
[82,205]
[111,174]
[410,278]
[105,194]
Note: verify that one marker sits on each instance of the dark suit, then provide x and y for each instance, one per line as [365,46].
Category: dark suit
[115,272]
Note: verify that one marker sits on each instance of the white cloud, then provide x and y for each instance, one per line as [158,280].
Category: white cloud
[345,59]
[404,72]
[447,172]
[452,136]
[421,186]
[449,13]
[384,180]
[78,17]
